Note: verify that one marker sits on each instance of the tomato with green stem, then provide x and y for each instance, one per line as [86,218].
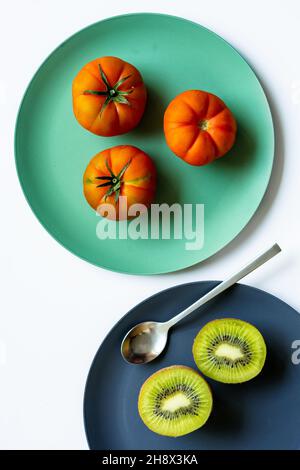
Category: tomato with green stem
[123,170]
[109,96]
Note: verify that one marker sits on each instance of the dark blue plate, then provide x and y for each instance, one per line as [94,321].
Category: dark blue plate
[261,414]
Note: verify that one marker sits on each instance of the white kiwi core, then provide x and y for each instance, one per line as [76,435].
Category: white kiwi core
[229,351]
[175,402]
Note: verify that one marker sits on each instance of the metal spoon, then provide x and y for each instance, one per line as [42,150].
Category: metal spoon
[146,341]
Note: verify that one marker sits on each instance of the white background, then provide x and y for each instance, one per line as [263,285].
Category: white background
[56,309]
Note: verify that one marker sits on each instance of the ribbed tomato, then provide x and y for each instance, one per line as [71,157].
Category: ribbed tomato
[199,127]
[123,170]
[109,96]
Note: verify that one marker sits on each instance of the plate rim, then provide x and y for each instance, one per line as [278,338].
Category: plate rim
[116,325]
[39,217]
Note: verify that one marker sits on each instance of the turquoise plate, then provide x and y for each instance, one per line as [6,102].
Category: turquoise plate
[173,54]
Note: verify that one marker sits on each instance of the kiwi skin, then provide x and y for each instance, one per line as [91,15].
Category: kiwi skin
[157,373]
[223,378]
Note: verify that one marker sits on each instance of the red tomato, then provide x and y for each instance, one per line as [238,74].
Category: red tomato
[123,170]
[199,127]
[109,96]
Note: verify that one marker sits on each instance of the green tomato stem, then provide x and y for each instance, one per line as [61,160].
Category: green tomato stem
[111,93]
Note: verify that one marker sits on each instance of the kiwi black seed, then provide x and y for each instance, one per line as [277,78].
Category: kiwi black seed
[175,401]
[229,350]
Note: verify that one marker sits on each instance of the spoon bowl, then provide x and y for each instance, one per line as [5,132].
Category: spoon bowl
[144,342]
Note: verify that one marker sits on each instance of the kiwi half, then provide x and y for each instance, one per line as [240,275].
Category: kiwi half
[229,350]
[175,401]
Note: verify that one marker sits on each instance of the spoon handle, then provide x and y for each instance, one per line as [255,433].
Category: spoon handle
[261,259]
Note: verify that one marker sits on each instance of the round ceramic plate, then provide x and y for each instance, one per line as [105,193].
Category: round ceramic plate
[252,415]
[53,150]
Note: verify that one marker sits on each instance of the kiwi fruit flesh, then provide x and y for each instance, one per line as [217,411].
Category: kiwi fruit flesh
[229,350]
[175,401]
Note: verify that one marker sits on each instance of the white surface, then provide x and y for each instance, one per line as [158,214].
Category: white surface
[55,308]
